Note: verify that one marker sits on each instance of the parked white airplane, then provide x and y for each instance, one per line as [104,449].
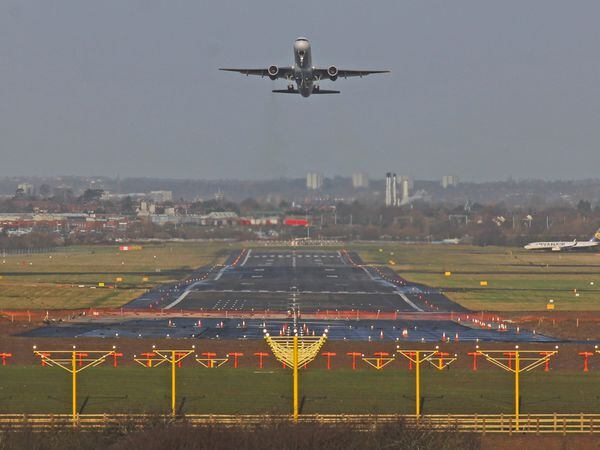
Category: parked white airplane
[303,73]
[559,246]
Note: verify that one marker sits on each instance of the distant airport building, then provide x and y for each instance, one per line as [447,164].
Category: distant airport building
[314,181]
[360,180]
[449,181]
[161,196]
[25,189]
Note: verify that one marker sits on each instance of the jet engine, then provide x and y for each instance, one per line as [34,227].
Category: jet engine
[332,71]
[273,71]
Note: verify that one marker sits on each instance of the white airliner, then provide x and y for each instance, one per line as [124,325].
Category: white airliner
[303,73]
[560,246]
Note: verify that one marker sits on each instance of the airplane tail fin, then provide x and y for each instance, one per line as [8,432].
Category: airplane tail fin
[596,237]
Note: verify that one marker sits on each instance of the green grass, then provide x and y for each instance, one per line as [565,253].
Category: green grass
[517,280]
[51,281]
[27,389]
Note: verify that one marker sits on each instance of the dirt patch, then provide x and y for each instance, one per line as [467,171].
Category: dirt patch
[582,326]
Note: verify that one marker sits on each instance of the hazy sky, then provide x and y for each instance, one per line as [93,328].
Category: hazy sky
[480,89]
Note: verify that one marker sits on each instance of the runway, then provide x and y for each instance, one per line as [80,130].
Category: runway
[256,289]
[267,280]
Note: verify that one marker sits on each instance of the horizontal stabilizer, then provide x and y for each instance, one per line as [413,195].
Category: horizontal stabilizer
[286,91]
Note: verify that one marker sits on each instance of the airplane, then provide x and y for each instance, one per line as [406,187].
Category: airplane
[303,73]
[560,246]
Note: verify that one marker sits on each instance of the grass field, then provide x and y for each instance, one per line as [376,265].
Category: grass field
[53,280]
[517,280]
[29,389]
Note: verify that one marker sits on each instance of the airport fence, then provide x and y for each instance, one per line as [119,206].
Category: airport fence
[472,423]
[30,251]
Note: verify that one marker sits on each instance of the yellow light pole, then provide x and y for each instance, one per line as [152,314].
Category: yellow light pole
[73,361]
[420,356]
[531,359]
[379,361]
[171,356]
[295,351]
[295,377]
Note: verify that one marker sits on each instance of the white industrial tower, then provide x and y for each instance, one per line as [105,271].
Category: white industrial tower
[388,189]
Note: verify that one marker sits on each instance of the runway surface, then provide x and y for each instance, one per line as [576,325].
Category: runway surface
[265,280]
[257,289]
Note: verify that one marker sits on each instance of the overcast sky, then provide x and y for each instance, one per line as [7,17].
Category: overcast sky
[484,90]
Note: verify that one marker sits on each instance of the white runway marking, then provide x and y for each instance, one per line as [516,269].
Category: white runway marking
[187,291]
[397,291]
[407,300]
[179,299]
[246,258]
[220,273]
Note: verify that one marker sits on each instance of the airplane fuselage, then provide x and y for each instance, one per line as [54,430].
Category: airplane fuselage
[303,68]
[303,73]
[562,245]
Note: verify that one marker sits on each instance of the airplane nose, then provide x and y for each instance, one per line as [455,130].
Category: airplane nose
[301,46]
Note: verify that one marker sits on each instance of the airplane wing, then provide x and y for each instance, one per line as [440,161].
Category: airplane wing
[296,91]
[282,72]
[343,73]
